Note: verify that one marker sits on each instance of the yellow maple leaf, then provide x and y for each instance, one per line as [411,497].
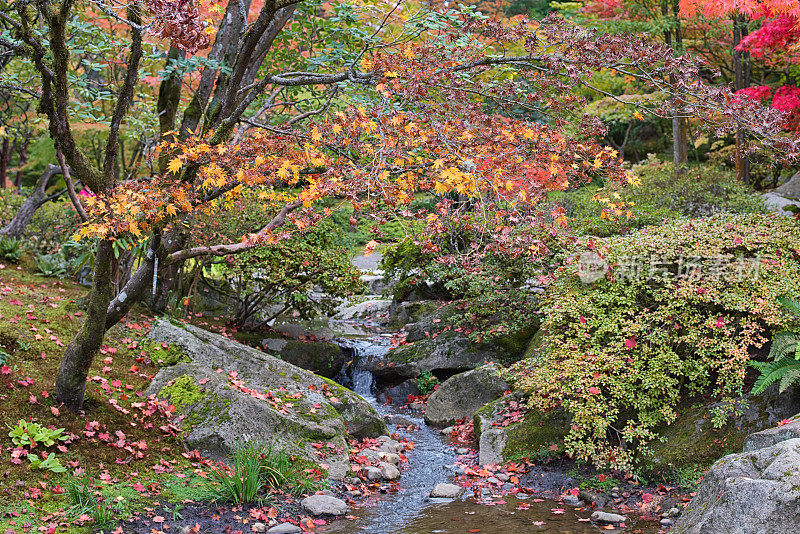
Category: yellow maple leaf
[370,247]
[315,135]
[336,129]
[171,209]
[175,165]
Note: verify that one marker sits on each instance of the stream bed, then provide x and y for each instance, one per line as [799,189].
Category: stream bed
[434,460]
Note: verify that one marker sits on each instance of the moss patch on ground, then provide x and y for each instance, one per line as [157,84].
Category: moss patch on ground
[118,438]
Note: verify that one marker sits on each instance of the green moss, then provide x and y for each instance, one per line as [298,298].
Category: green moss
[183,392]
[165,356]
[536,433]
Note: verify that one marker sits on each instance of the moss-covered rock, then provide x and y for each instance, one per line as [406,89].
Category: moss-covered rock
[321,357]
[257,396]
[537,435]
[693,441]
[435,346]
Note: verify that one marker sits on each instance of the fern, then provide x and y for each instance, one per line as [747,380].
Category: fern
[785,356]
[792,305]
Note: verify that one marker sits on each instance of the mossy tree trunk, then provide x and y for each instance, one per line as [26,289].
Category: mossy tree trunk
[79,354]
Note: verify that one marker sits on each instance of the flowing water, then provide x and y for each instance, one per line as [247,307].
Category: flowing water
[410,511]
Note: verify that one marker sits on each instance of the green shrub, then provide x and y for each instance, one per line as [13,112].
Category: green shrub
[785,356]
[621,353]
[10,249]
[426,382]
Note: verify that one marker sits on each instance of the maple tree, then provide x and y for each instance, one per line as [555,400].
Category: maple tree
[299,102]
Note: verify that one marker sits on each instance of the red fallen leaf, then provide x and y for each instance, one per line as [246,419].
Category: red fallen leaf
[5,370]
[582,319]
[557,511]
[15,302]
[784,422]
[474,530]
[594,391]
[630,342]
[139,487]
[158,519]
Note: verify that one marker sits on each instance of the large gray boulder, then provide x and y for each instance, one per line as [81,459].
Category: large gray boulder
[755,492]
[226,392]
[464,394]
[771,436]
[781,204]
[790,188]
[321,357]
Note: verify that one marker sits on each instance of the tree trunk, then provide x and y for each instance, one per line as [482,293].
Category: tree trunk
[23,159]
[35,200]
[680,142]
[79,354]
[5,157]
[741,70]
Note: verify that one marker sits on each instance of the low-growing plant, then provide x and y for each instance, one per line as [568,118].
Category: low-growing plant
[668,314]
[84,501]
[50,463]
[784,354]
[51,265]
[426,382]
[242,482]
[10,249]
[30,434]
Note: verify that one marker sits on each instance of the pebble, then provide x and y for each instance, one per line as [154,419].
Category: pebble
[608,518]
[523,496]
[390,457]
[674,512]
[502,476]
[572,500]
[258,526]
[284,528]
[462,450]
[493,480]
[373,473]
[447,491]
[324,505]
[389,471]
[667,522]
[446,431]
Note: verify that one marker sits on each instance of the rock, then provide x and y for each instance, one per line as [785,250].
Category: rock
[375,283]
[389,471]
[399,394]
[493,480]
[790,188]
[387,444]
[666,522]
[376,309]
[463,394]
[323,358]
[781,204]
[597,499]
[753,492]
[373,473]
[608,518]
[674,512]
[446,431]
[536,433]
[258,526]
[462,450]
[572,500]
[449,352]
[502,477]
[692,440]
[317,505]
[446,491]
[399,420]
[216,413]
[284,528]
[390,457]
[771,436]
[405,313]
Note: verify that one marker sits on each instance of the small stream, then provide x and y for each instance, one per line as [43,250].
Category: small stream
[411,511]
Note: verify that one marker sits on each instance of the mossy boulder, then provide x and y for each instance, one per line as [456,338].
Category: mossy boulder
[321,357]
[692,440]
[538,434]
[461,395]
[435,346]
[225,392]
